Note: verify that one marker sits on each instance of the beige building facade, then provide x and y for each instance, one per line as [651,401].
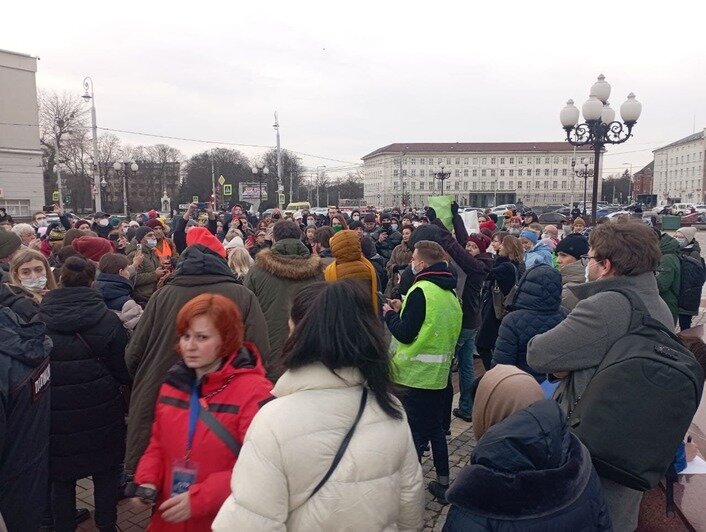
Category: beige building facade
[21,182]
[480,174]
[679,171]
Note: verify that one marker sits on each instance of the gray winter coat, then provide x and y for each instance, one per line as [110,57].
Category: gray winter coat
[579,343]
[573,274]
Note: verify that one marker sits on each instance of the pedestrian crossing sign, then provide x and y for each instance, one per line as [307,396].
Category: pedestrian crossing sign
[227,190]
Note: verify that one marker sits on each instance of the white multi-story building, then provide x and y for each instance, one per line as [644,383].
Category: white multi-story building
[481,174]
[679,170]
[21,181]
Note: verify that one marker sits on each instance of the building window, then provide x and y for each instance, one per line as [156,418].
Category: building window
[457,173]
[536,184]
[474,186]
[475,173]
[413,161]
[422,160]
[465,185]
[519,185]
[404,173]
[563,184]
[421,172]
[546,160]
[590,160]
[458,160]
[457,185]
[538,160]
[16,207]
[555,185]
[475,160]
[501,185]
[519,172]
[439,160]
[555,172]
[512,161]
[414,185]
[465,160]
[448,160]
[482,185]
[564,172]
[483,173]
[502,160]
[519,160]
[511,185]
[492,172]
[465,173]
[546,172]
[511,172]
[421,185]
[395,185]
[395,173]
[502,172]
[546,184]
[483,160]
[536,172]
[556,159]
[431,185]
[492,160]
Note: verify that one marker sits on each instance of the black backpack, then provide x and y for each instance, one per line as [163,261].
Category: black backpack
[639,404]
[693,275]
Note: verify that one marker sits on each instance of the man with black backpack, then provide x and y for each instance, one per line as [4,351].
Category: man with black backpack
[629,386]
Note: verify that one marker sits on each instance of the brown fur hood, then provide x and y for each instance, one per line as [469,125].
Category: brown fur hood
[287,260]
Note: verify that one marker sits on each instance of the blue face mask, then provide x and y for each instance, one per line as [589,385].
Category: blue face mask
[682,242]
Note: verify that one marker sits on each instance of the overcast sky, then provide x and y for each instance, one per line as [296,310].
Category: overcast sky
[350,77]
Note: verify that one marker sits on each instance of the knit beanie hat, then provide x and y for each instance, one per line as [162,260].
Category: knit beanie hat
[579,221]
[370,217]
[92,247]
[154,222]
[689,233]
[114,221]
[152,214]
[235,242]
[9,243]
[141,231]
[202,236]
[481,241]
[81,222]
[56,234]
[501,392]
[574,245]
[529,235]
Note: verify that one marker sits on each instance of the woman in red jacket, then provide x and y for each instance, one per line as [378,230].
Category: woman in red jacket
[203,411]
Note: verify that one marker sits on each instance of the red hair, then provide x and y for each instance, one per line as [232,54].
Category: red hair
[224,314]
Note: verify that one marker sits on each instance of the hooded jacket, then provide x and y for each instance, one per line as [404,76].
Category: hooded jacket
[535,308]
[150,353]
[276,277]
[539,254]
[350,263]
[693,250]
[528,473]
[24,421]
[115,290]
[376,486]
[234,394]
[669,273]
[87,367]
[572,274]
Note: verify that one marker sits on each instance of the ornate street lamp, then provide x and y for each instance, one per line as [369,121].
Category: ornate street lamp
[599,127]
[442,176]
[585,174]
[260,170]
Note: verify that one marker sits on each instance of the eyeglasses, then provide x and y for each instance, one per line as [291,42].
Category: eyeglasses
[585,259]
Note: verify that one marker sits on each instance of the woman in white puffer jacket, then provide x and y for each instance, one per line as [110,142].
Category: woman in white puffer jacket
[335,351]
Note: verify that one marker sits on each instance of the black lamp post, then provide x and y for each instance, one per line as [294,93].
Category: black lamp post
[599,127]
[442,176]
[260,171]
[585,174]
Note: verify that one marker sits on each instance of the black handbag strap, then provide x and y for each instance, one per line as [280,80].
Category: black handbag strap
[220,431]
[344,444]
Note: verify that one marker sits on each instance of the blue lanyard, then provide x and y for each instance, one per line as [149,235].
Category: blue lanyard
[194,411]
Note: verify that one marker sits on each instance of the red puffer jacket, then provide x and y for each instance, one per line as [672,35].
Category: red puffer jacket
[234,394]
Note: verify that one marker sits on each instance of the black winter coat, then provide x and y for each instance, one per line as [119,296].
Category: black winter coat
[114,289]
[535,309]
[502,274]
[24,421]
[19,301]
[87,366]
[528,473]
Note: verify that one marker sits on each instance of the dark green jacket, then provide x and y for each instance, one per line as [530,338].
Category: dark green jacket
[146,278]
[669,274]
[275,278]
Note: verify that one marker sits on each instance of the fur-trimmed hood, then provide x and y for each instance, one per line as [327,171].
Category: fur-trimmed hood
[528,465]
[289,259]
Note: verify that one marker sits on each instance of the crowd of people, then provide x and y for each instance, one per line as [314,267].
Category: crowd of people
[236,372]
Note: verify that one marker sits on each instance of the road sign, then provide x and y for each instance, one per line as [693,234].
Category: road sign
[194,199]
[67,199]
[227,190]
[281,199]
[251,191]
[221,180]
[55,195]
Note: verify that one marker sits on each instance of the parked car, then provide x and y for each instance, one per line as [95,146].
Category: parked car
[502,208]
[700,208]
[553,218]
[682,208]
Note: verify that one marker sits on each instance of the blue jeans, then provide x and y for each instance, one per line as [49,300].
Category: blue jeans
[465,346]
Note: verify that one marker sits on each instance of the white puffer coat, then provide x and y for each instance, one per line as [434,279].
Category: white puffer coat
[290,446]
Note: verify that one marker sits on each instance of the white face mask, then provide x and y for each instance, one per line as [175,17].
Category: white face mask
[42,223]
[152,242]
[394,227]
[35,284]
[103,223]
[356,217]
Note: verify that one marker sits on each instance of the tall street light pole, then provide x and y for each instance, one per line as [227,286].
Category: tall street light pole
[122,166]
[280,187]
[585,174]
[318,177]
[442,176]
[260,171]
[95,186]
[599,127]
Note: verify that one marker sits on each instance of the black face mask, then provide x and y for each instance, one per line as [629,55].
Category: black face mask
[386,224]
